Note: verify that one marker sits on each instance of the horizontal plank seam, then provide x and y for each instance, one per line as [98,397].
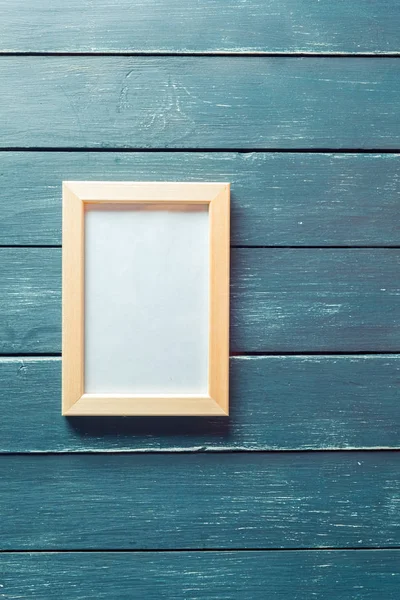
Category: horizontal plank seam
[234,150]
[211,53]
[32,355]
[227,150]
[202,550]
[315,353]
[201,450]
[27,246]
[242,247]
[315,247]
[241,354]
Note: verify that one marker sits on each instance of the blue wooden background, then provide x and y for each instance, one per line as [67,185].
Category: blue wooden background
[297,104]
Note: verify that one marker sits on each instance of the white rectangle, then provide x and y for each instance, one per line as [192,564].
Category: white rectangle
[146,311]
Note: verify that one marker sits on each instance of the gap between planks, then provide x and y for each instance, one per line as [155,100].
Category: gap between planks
[227,150]
[203,450]
[241,53]
[202,550]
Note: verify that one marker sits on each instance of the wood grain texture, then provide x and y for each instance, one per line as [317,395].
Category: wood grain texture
[30,292]
[326,575]
[277,199]
[277,403]
[282,300]
[219,265]
[72,298]
[319,300]
[193,501]
[209,26]
[200,102]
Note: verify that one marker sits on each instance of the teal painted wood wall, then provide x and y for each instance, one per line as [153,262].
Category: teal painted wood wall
[297,104]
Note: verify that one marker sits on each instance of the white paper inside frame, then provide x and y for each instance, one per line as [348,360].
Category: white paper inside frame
[146,299]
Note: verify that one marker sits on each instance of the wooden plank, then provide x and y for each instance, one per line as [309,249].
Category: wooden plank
[192,501]
[315,300]
[200,102]
[219,26]
[326,575]
[282,300]
[30,300]
[352,400]
[277,199]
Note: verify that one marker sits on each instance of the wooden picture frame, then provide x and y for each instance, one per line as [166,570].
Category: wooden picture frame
[77,196]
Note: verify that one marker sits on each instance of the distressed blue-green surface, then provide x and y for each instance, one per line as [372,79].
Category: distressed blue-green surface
[282,300]
[315,299]
[201,26]
[200,102]
[277,199]
[203,500]
[276,403]
[359,575]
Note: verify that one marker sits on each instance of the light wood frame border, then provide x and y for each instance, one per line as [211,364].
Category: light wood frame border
[76,194]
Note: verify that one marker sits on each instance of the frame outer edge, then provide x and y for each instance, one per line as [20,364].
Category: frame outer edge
[73,397]
[219,297]
[72,298]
